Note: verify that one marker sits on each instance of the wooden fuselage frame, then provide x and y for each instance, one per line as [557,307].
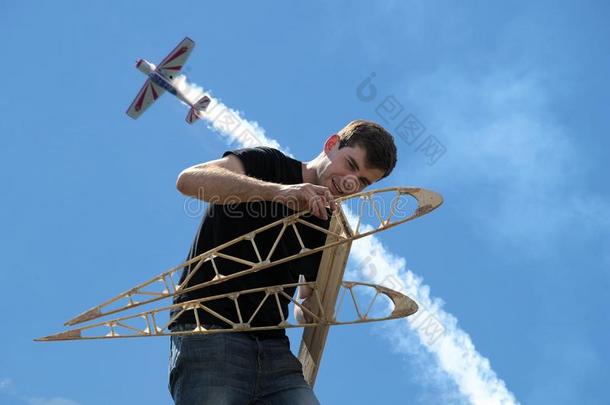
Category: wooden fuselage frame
[330,275]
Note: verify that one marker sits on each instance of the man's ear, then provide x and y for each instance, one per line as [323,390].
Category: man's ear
[331,142]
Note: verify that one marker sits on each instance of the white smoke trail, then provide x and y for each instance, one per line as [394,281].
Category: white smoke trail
[224,120]
[436,330]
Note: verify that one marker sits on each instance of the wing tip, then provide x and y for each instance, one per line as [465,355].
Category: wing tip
[67,335]
[84,317]
[130,114]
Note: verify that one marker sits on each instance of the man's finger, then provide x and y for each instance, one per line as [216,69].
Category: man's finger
[321,209]
[330,199]
[313,208]
[321,189]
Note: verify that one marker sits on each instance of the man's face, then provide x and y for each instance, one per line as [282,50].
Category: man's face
[344,171]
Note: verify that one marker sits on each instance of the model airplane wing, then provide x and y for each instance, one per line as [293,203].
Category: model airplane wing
[360,309]
[173,63]
[164,285]
[148,94]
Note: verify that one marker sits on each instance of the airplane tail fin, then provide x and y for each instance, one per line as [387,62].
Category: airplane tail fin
[201,105]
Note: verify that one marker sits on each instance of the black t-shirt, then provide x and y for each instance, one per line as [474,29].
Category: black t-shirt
[228,220]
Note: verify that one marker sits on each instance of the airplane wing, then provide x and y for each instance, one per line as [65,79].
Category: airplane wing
[359,309]
[171,65]
[147,95]
[368,204]
[344,229]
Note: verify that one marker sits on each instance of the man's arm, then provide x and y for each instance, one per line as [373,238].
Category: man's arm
[225,180]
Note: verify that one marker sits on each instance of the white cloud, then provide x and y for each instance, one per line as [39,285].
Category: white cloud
[518,173]
[51,401]
[484,90]
[7,387]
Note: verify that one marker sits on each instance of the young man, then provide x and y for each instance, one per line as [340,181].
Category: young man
[246,190]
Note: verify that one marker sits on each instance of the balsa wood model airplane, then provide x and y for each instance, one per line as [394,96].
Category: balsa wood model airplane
[387,208]
[161,78]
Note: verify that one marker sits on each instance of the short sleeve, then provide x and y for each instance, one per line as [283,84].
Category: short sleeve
[260,162]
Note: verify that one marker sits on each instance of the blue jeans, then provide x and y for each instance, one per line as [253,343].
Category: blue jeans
[235,369]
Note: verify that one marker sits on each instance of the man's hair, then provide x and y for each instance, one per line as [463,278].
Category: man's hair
[376,141]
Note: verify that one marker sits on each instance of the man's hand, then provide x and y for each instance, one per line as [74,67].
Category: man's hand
[304,316]
[306,196]
[304,294]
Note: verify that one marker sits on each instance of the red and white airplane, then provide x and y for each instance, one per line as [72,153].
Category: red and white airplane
[160,79]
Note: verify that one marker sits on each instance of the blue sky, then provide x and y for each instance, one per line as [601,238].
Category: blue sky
[514,265]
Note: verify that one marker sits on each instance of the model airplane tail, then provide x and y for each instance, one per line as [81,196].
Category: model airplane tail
[145,66]
[201,105]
